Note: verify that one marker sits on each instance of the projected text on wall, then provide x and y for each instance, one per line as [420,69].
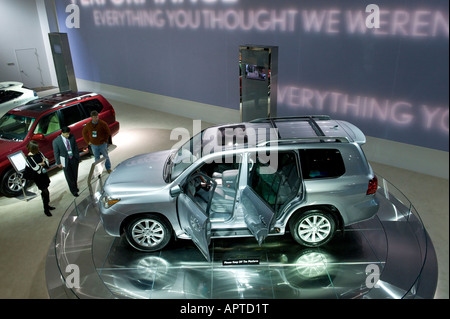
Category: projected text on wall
[136,13]
[397,112]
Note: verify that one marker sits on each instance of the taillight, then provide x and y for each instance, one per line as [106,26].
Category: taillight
[373,185]
[113,115]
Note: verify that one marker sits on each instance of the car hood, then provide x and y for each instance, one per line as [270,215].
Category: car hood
[144,172]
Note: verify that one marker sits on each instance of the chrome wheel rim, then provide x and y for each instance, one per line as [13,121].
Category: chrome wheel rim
[314,228]
[15,182]
[148,233]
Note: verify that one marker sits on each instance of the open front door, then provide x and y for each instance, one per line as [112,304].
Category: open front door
[257,214]
[193,210]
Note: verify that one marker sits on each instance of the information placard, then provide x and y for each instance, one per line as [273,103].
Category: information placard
[18,160]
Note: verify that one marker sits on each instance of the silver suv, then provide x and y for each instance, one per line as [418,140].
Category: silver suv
[303,175]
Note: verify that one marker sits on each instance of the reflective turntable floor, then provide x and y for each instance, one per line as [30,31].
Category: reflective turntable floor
[392,250]
[285,270]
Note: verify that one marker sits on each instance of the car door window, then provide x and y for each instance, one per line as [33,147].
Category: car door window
[91,105]
[275,182]
[225,172]
[200,189]
[71,115]
[321,163]
[48,124]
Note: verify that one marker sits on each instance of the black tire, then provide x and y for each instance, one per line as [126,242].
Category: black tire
[313,228]
[148,233]
[12,183]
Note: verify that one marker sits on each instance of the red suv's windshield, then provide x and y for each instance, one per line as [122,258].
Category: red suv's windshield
[15,127]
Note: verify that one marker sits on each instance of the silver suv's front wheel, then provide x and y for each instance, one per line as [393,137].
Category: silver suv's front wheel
[313,228]
[148,233]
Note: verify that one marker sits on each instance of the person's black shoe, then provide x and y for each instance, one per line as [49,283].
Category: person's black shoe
[51,208]
[48,213]
[76,194]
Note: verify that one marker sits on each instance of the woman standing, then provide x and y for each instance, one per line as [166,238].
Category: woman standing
[37,166]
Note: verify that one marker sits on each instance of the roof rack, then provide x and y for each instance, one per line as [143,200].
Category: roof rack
[78,98]
[311,119]
[296,117]
[321,139]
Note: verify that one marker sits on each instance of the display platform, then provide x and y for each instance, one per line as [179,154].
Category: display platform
[388,256]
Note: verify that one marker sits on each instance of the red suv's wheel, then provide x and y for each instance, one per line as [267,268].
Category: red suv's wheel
[12,183]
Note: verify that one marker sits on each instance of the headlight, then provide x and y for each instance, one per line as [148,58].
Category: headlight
[109,201]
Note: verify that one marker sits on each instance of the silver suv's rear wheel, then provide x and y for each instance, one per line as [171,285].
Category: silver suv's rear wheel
[313,228]
[148,233]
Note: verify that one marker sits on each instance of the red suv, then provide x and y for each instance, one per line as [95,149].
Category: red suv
[41,120]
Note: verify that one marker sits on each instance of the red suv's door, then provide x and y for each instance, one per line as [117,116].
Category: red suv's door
[73,117]
[47,128]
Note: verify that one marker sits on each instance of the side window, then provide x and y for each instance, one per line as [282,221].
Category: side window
[91,105]
[200,189]
[224,171]
[218,166]
[71,115]
[48,124]
[276,183]
[321,163]
[6,96]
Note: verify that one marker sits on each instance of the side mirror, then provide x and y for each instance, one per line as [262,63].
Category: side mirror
[175,191]
[38,137]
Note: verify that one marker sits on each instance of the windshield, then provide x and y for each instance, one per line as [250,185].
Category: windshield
[6,95]
[187,154]
[15,127]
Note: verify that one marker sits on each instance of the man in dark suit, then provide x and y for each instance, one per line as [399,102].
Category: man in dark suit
[67,157]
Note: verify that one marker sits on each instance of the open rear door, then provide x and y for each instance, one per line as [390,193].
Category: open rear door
[193,210]
[257,214]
